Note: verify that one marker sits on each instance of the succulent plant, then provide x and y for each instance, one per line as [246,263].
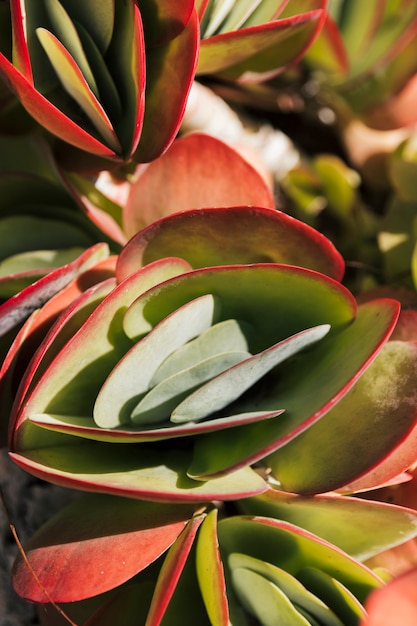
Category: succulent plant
[81,70]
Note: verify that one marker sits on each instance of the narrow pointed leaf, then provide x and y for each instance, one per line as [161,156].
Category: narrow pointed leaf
[210,573]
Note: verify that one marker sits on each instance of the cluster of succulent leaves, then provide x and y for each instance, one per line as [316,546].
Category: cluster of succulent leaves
[198,364]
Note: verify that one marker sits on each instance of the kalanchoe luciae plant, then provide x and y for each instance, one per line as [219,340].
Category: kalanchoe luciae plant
[147,565]
[213,355]
[81,70]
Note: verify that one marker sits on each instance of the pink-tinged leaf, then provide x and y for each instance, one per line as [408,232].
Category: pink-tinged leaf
[395,604]
[167,90]
[75,84]
[32,333]
[229,236]
[210,572]
[171,571]
[197,171]
[17,308]
[48,115]
[21,57]
[370,435]
[361,528]
[250,53]
[96,544]
[98,324]
[157,475]
[164,20]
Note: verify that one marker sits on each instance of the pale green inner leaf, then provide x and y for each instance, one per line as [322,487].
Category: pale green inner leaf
[229,335]
[162,399]
[39,259]
[302,599]
[227,387]
[132,376]
[264,600]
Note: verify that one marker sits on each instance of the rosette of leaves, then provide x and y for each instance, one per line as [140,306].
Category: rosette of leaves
[81,70]
[254,40]
[155,563]
[365,55]
[216,353]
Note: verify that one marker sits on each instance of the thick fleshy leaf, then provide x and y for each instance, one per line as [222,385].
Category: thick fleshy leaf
[149,473]
[100,550]
[160,190]
[17,308]
[260,235]
[294,549]
[210,572]
[387,388]
[292,591]
[172,570]
[361,528]
[307,389]
[167,90]
[258,49]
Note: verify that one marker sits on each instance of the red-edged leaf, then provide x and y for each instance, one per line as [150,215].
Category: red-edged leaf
[20,49]
[372,441]
[328,50]
[229,236]
[259,50]
[48,115]
[19,307]
[94,545]
[394,604]
[167,90]
[171,571]
[197,171]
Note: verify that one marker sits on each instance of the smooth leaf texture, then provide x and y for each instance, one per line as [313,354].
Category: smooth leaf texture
[170,73]
[387,388]
[17,308]
[210,573]
[260,235]
[259,49]
[307,389]
[160,190]
[100,550]
[361,528]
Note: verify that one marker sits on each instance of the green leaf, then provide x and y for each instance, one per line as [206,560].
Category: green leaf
[160,402]
[202,237]
[75,84]
[145,472]
[361,528]
[334,594]
[227,387]
[299,596]
[118,396]
[96,16]
[210,573]
[365,416]
[265,601]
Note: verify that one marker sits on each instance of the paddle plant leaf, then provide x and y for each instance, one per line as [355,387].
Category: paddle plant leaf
[360,527]
[100,550]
